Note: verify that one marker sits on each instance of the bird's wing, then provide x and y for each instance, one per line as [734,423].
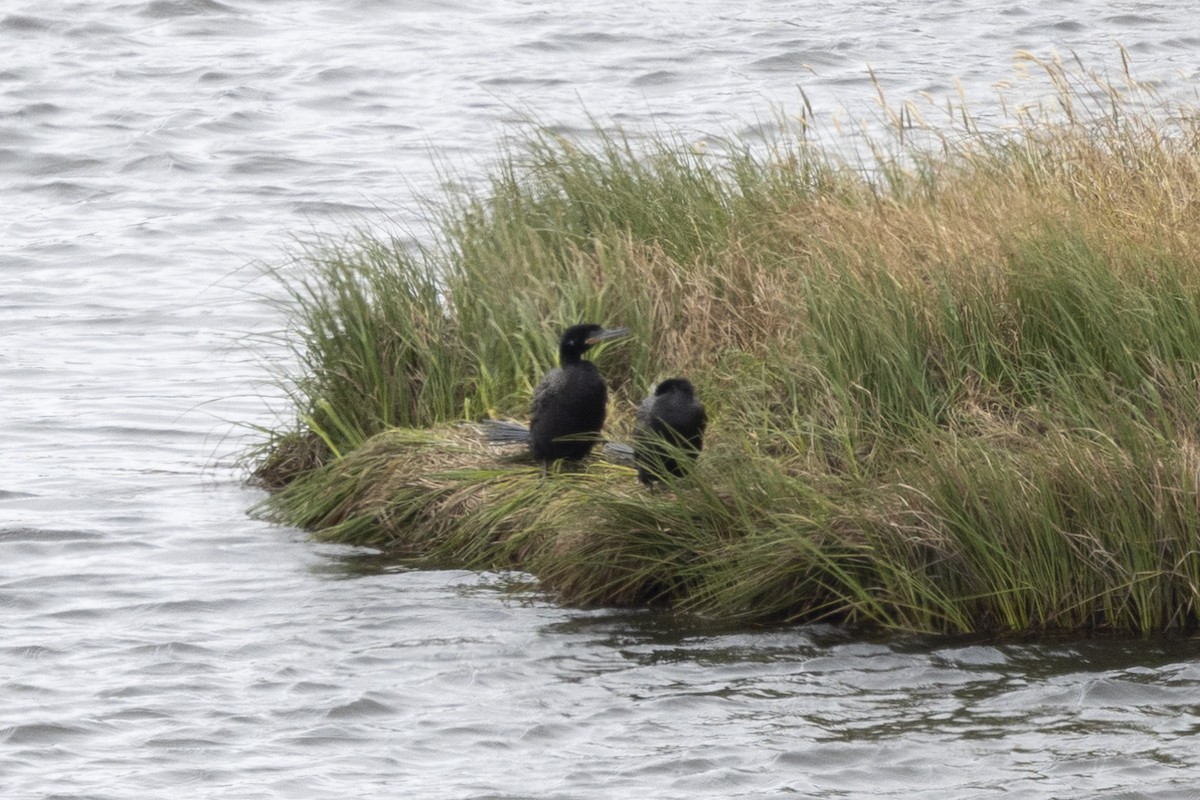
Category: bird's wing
[645,416]
[544,394]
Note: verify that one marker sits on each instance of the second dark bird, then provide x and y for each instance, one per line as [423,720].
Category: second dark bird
[668,432]
[570,403]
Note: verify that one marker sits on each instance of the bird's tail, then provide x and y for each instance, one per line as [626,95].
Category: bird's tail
[619,452]
[503,431]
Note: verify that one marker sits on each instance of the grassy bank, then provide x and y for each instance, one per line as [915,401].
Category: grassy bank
[953,388]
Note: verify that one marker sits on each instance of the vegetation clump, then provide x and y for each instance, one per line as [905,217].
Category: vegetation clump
[952,386]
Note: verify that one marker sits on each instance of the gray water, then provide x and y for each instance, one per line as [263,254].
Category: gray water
[156,642]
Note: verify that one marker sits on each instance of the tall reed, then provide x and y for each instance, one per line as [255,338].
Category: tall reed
[953,384]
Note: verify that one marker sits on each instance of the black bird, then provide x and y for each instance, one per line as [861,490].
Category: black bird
[569,405]
[668,432]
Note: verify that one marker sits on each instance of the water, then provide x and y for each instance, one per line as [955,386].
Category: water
[154,641]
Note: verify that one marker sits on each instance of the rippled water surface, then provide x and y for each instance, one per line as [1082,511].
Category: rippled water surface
[156,642]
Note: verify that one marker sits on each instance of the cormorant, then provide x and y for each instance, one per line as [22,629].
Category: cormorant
[569,405]
[668,432]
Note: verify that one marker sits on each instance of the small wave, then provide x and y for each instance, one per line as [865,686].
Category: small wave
[139,714]
[31,652]
[316,208]
[35,111]
[660,77]
[1061,26]
[232,123]
[592,39]
[1111,692]
[338,75]
[62,191]
[363,707]
[93,28]
[24,22]
[797,60]
[268,165]
[514,81]
[160,162]
[1132,20]
[169,9]
[41,733]
[173,650]
[541,46]
[183,743]
[43,164]
[43,534]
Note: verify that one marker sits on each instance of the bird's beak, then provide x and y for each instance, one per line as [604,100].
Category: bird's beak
[606,334]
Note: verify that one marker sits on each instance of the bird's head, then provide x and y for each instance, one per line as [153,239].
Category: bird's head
[577,339]
[681,385]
